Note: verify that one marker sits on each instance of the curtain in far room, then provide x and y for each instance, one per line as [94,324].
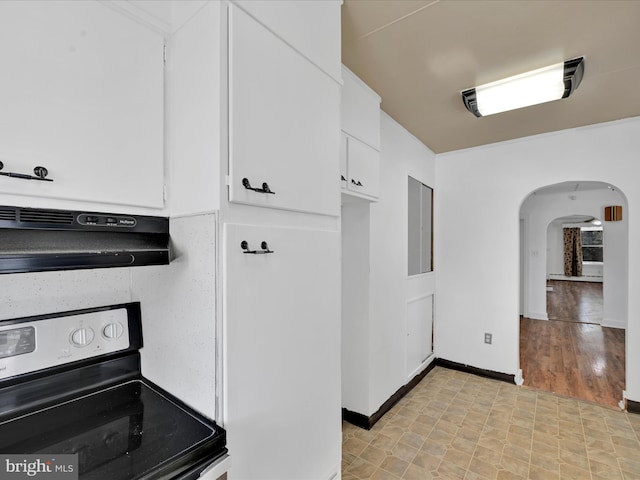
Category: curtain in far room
[572,252]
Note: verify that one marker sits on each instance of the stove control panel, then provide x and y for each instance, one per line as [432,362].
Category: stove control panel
[32,346]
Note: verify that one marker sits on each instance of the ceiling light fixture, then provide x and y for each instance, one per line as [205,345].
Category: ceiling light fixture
[538,86]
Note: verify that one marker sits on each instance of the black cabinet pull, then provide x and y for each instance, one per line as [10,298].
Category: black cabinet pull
[265,187]
[357,184]
[342,179]
[40,174]
[264,246]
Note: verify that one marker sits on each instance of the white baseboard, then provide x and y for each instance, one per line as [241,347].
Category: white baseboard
[335,473]
[518,378]
[537,315]
[611,323]
[584,278]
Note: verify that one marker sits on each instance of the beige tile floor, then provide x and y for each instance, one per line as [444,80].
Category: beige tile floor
[455,425]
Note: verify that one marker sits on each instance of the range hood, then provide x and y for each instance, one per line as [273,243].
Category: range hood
[36,240]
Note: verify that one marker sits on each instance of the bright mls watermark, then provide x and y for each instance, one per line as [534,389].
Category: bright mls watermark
[39,467]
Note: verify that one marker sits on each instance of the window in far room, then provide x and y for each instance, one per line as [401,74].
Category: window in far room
[420,228]
[592,242]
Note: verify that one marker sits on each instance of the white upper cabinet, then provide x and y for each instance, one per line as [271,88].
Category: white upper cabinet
[360,147]
[284,117]
[360,110]
[359,168]
[321,44]
[363,169]
[81,95]
[344,174]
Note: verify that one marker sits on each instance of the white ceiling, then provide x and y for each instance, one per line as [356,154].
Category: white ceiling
[420,54]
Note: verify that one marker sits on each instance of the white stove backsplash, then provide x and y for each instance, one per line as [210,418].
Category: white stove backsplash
[25,294]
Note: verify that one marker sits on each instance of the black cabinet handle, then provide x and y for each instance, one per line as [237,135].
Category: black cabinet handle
[342,179]
[358,184]
[265,187]
[264,246]
[40,174]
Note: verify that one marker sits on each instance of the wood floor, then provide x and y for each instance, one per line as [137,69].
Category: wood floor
[571,354]
[574,301]
[574,359]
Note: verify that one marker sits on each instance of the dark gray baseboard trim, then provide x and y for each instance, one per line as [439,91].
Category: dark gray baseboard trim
[363,421]
[633,407]
[481,372]
[357,419]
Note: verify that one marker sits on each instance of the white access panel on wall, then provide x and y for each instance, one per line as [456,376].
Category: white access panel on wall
[284,121]
[419,332]
[282,360]
[82,95]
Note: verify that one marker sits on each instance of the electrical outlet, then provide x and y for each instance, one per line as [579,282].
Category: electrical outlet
[488,337]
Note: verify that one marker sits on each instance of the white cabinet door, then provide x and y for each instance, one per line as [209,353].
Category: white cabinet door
[82,95]
[321,44]
[363,168]
[282,360]
[360,109]
[284,118]
[343,161]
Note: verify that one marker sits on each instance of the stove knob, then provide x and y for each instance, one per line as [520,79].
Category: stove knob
[81,337]
[111,331]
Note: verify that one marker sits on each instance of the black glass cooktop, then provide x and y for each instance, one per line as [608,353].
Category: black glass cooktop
[126,432]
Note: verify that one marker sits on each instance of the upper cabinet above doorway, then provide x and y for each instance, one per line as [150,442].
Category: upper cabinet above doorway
[360,143]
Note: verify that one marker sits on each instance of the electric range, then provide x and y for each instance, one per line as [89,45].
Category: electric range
[71,383]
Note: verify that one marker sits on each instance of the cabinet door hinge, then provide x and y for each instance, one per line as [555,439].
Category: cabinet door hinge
[164,54]
[164,193]
[227,180]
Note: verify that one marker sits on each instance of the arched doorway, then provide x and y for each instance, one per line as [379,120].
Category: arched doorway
[580,359]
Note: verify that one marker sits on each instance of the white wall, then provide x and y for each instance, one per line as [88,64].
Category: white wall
[538,212]
[480,191]
[391,289]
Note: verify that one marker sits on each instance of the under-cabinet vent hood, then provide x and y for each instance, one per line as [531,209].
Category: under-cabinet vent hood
[36,240]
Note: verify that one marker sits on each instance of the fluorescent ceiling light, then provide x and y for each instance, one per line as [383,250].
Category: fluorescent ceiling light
[538,86]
